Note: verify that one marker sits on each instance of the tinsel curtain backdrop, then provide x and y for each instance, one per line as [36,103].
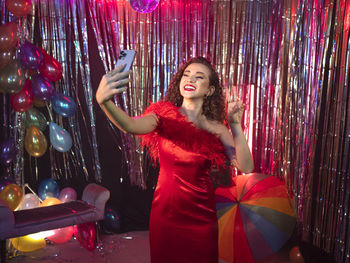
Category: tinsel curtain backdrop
[287,60]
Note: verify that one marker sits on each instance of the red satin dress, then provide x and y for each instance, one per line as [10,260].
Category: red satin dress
[183,223]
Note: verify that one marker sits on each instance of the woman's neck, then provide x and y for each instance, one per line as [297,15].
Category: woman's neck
[192,110]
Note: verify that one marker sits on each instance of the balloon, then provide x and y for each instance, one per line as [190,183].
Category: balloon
[50,68]
[35,142]
[48,188]
[67,194]
[63,105]
[5,57]
[50,201]
[12,77]
[19,7]
[144,6]
[111,219]
[28,243]
[42,87]
[4,182]
[8,36]
[86,235]
[60,138]
[7,151]
[29,201]
[31,56]
[22,100]
[36,118]
[61,235]
[295,255]
[12,194]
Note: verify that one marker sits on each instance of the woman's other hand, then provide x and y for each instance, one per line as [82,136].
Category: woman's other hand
[235,111]
[112,83]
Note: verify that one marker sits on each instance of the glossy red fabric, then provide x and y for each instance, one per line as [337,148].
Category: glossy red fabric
[183,222]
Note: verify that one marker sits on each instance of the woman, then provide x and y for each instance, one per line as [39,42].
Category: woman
[186,133]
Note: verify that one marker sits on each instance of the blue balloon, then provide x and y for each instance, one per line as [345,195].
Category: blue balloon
[111,219]
[63,105]
[48,188]
[60,138]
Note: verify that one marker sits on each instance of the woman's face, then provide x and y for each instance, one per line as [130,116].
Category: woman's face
[194,83]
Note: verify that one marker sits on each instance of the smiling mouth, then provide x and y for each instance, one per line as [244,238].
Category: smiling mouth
[189,88]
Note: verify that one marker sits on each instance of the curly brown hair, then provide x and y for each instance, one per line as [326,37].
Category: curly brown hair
[214,105]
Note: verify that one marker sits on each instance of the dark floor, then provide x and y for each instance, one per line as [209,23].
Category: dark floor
[133,247]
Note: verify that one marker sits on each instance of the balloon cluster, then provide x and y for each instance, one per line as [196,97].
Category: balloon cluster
[28,75]
[50,194]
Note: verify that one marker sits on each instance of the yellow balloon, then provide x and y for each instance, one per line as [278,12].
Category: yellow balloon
[12,194]
[28,243]
[35,142]
[50,201]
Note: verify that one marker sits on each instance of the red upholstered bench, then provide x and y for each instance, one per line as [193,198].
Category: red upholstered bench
[23,222]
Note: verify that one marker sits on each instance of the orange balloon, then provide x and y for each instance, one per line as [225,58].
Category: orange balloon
[12,194]
[19,7]
[8,36]
[295,256]
[51,201]
[35,142]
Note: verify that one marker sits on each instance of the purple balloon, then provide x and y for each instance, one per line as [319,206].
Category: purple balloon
[7,151]
[42,87]
[5,182]
[31,56]
[144,6]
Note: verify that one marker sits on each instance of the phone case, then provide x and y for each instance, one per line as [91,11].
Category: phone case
[126,57]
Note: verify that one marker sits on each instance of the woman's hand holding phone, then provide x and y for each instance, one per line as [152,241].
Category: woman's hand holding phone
[116,81]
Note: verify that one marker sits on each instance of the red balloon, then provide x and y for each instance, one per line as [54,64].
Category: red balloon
[8,36]
[51,68]
[6,57]
[295,255]
[19,7]
[86,235]
[22,100]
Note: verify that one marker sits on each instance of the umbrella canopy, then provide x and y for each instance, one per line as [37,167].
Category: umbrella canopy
[255,217]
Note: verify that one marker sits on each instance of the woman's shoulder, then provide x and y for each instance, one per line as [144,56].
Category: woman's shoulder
[160,107]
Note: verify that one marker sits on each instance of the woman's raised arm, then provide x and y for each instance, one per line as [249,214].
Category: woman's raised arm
[115,82]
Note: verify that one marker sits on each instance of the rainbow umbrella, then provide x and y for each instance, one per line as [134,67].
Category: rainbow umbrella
[255,218]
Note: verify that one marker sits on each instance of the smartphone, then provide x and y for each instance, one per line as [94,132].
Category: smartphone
[126,57]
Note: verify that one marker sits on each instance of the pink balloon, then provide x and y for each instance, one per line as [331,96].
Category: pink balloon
[67,194]
[29,201]
[86,235]
[61,235]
